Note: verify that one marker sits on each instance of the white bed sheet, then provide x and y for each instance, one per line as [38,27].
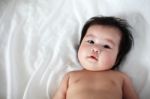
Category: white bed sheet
[39,41]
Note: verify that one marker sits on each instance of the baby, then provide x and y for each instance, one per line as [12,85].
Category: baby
[104,43]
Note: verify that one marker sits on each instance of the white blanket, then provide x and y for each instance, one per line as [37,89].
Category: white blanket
[39,41]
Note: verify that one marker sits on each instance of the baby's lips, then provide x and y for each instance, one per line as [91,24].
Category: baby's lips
[93,57]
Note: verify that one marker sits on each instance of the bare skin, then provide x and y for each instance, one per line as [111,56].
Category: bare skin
[96,85]
[97,54]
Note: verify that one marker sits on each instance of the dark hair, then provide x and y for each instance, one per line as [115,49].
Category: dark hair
[121,24]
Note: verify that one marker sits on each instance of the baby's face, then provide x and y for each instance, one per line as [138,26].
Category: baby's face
[99,48]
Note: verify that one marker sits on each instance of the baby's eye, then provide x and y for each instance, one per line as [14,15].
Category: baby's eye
[107,46]
[90,41]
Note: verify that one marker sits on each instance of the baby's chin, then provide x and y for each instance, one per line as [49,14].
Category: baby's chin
[96,69]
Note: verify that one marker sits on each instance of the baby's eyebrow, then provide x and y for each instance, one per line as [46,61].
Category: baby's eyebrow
[89,35]
[110,41]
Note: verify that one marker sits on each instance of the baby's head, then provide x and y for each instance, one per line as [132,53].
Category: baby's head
[104,43]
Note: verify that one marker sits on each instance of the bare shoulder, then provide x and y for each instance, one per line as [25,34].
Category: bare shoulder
[72,73]
[122,74]
[126,79]
[125,76]
[129,91]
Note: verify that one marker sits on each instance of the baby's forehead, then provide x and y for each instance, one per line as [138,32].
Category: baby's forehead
[103,29]
[105,26]
[109,28]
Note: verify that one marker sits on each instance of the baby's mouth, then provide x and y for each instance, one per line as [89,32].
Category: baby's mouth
[93,58]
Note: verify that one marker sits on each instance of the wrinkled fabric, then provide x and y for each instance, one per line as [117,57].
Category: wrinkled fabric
[39,41]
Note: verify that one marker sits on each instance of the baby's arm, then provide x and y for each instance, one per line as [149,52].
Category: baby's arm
[128,90]
[61,92]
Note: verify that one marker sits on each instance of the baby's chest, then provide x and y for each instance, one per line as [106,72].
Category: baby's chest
[96,82]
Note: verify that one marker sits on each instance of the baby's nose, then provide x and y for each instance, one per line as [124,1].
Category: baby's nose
[96,49]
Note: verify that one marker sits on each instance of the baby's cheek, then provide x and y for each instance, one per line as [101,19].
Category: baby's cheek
[84,49]
[81,54]
[108,60]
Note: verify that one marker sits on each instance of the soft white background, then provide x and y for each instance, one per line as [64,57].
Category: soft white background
[39,41]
